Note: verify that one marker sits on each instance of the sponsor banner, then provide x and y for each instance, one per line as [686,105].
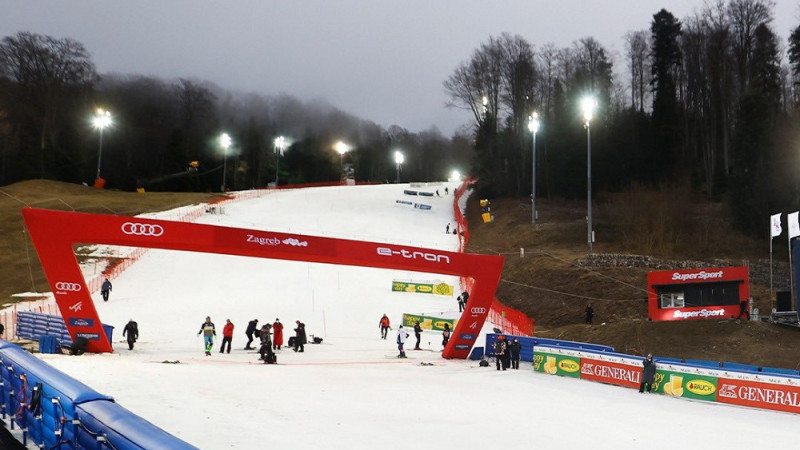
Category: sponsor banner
[425,194]
[754,394]
[556,364]
[611,372]
[409,192]
[428,322]
[704,313]
[422,288]
[404,202]
[467,337]
[679,384]
[89,336]
[80,322]
[422,206]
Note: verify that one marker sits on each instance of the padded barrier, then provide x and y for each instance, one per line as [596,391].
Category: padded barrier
[69,413]
[33,325]
[526,354]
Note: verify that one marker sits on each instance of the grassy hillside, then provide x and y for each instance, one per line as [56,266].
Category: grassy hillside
[21,270]
[551,284]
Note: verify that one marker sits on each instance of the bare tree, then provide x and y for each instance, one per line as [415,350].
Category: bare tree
[746,16]
[639,66]
[548,61]
[47,71]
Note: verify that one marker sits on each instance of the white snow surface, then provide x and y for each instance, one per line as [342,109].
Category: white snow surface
[351,391]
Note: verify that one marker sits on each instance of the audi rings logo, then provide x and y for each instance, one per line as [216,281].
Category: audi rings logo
[142,229]
[68,287]
[477,310]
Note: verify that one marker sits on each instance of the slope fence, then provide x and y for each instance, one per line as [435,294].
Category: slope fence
[506,318]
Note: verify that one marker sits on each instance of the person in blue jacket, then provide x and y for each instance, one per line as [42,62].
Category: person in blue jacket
[105,289]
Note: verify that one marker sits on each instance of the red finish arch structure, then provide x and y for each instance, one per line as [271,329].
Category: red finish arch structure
[54,233]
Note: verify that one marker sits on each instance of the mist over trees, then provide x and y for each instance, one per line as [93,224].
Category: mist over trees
[49,90]
[702,102]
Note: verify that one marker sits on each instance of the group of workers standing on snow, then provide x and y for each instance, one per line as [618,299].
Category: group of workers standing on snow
[385,325]
[270,336]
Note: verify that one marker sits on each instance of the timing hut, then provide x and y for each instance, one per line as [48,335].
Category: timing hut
[697,293]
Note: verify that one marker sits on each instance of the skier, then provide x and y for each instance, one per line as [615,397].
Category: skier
[300,336]
[500,351]
[105,289]
[417,334]
[514,349]
[648,373]
[227,335]
[447,228]
[277,338]
[446,191]
[384,326]
[401,340]
[209,333]
[446,335]
[251,328]
[267,355]
[589,314]
[132,330]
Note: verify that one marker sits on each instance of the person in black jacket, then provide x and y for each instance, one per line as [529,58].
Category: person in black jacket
[299,336]
[267,355]
[417,334]
[648,373]
[589,314]
[514,348]
[132,331]
[105,289]
[500,351]
[251,328]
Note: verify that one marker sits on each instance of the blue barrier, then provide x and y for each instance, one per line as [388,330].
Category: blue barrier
[527,342]
[32,326]
[68,412]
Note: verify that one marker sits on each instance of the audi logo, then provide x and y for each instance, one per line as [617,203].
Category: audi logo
[142,229]
[71,287]
[477,310]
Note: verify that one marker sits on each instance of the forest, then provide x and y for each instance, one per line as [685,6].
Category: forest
[705,103]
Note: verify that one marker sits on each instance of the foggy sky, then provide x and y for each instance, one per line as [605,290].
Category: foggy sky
[383,61]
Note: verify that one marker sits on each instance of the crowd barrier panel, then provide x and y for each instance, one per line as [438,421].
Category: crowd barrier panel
[732,383]
[68,412]
[528,343]
[33,325]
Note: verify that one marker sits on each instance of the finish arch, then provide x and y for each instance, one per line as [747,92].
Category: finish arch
[55,232]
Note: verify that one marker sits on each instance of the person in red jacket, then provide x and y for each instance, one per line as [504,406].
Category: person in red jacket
[277,337]
[384,326]
[227,335]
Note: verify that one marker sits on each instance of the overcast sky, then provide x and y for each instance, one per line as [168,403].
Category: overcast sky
[383,61]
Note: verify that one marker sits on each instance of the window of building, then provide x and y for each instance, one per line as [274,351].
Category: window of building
[671,300]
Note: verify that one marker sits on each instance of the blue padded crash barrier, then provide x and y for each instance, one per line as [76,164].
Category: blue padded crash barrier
[69,413]
[526,354]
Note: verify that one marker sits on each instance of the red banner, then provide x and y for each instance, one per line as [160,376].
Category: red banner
[611,372]
[754,394]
